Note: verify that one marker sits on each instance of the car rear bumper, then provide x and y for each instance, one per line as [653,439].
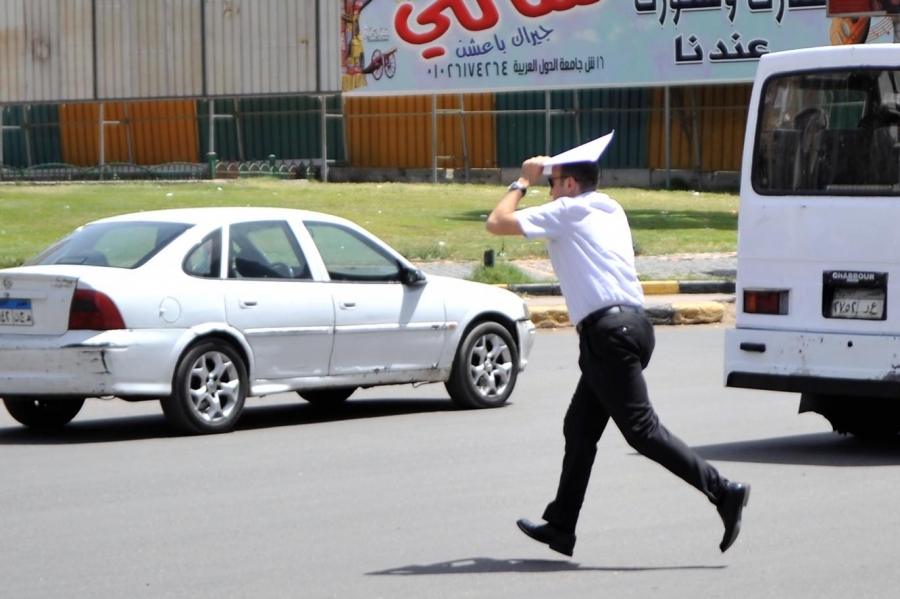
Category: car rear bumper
[823,363]
[90,364]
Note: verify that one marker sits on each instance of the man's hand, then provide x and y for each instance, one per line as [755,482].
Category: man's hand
[502,221]
[533,170]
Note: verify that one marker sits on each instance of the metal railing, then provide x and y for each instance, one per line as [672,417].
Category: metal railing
[172,171]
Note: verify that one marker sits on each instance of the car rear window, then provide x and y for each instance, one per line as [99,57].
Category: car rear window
[114,244]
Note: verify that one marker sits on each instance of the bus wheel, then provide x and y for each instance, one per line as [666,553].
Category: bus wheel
[865,426]
[863,417]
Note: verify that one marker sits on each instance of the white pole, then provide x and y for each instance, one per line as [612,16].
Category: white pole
[434,154]
[212,127]
[668,142]
[102,133]
[324,140]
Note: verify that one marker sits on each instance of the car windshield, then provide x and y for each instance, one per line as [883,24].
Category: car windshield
[121,244]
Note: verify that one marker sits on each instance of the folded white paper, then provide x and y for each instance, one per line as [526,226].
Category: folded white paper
[589,152]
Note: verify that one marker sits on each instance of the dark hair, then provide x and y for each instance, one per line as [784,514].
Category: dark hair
[586,173]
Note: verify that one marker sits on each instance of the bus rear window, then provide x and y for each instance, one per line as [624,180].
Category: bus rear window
[829,133]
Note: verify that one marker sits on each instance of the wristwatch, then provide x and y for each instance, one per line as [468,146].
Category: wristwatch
[519,186]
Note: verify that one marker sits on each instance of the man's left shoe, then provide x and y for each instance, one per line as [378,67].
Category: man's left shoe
[730,507]
[563,542]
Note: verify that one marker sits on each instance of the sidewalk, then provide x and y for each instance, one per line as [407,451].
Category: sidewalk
[549,311]
[686,288]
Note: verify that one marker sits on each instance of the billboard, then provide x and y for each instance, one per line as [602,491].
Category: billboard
[445,46]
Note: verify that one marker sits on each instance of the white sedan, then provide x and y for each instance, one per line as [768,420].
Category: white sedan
[201,308]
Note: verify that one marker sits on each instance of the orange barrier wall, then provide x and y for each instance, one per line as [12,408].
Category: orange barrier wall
[721,117]
[159,132]
[396,131]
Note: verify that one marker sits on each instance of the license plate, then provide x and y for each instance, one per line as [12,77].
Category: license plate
[858,303]
[16,312]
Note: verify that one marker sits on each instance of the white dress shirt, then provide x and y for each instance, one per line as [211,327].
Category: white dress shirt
[590,247]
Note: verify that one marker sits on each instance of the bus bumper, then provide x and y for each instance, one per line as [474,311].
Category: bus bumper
[816,363]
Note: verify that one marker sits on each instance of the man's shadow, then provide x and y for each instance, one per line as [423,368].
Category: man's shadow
[488,565]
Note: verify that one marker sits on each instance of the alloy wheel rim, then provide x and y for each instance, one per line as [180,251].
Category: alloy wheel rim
[490,365]
[214,386]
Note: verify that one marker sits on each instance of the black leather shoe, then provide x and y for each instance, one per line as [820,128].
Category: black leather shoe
[563,542]
[730,507]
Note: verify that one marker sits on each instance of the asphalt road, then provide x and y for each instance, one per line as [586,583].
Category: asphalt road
[400,495]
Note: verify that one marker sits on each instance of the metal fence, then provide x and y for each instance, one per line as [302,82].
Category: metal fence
[699,130]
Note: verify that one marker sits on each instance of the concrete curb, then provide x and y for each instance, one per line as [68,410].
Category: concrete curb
[650,287]
[551,317]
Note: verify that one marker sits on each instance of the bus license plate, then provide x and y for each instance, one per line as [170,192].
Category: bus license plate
[16,312]
[858,303]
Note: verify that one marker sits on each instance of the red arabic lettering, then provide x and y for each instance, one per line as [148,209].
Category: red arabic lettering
[545,7]
[433,15]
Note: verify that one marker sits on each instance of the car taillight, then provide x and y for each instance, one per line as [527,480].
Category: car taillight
[94,311]
[767,301]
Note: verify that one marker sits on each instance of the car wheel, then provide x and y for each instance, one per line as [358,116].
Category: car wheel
[43,414]
[485,368]
[327,397]
[208,390]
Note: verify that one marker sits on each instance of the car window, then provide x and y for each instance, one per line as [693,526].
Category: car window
[350,256]
[116,244]
[205,259]
[265,250]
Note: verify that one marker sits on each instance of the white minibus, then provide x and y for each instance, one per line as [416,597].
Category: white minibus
[818,277]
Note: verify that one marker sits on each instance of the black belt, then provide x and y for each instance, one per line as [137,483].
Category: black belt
[598,314]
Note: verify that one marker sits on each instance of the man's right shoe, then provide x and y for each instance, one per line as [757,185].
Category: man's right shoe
[730,507]
[563,542]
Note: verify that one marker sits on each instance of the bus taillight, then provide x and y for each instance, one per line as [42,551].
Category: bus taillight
[765,301]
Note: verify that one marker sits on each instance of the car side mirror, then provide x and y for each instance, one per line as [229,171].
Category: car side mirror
[411,276]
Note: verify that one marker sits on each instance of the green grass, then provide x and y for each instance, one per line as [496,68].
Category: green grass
[422,221]
[501,273]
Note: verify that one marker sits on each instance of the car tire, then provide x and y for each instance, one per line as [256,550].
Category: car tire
[43,414]
[485,368]
[327,397]
[209,389]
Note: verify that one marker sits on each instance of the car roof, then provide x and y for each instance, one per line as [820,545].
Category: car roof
[222,215]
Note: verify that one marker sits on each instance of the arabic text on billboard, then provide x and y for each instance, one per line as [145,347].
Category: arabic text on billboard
[446,46]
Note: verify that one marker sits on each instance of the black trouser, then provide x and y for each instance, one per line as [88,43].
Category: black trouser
[614,350]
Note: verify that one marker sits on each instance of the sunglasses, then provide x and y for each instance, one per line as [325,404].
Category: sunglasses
[552,180]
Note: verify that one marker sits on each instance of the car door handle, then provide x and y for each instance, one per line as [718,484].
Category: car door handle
[247,303]
[348,305]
